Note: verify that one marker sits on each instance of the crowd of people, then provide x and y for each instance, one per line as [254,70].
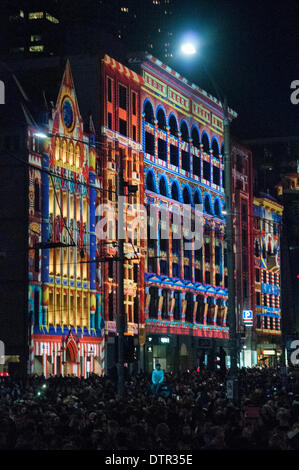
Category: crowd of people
[71,413]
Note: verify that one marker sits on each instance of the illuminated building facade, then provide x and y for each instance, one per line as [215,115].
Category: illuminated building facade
[64,297]
[121,130]
[185,289]
[267,229]
[242,193]
[288,195]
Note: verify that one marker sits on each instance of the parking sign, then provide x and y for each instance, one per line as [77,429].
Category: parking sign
[248,317]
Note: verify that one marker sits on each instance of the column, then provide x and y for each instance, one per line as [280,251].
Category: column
[182,250]
[205,315]
[213,269]
[203,257]
[160,304]
[194,308]
[147,302]
[191,157]
[45,239]
[156,138]
[92,236]
[171,305]
[184,305]
[170,244]
[180,150]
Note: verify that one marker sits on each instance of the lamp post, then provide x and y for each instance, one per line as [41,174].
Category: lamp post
[232,380]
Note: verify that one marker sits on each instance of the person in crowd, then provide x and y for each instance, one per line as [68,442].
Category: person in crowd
[157,378]
[68,413]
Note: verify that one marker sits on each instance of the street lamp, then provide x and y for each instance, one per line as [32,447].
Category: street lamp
[232,382]
[188,48]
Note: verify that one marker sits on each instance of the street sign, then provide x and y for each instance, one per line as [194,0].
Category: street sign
[248,317]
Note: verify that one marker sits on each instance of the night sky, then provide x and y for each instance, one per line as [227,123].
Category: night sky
[251,49]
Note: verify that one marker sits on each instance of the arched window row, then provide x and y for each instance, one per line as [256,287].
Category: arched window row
[173,190]
[68,153]
[181,128]
[208,310]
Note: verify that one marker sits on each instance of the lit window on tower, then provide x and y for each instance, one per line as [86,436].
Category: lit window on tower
[51,18]
[37,15]
[35,37]
[36,48]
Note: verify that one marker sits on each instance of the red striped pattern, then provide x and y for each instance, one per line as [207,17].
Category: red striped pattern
[130,74]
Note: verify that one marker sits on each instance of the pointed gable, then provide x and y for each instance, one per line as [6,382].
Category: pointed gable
[69,144]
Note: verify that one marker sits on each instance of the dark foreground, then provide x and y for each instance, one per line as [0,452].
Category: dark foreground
[70,413]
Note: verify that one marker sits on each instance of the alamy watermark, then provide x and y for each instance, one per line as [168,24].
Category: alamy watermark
[2,92]
[123,220]
[2,353]
[295,94]
[294,357]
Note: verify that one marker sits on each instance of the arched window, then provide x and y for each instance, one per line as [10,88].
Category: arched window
[148,112]
[197,198]
[207,205]
[222,149]
[175,191]
[217,208]
[186,196]
[71,154]
[57,149]
[184,131]
[195,137]
[78,156]
[205,142]
[173,125]
[161,118]
[215,148]
[150,184]
[64,147]
[163,187]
